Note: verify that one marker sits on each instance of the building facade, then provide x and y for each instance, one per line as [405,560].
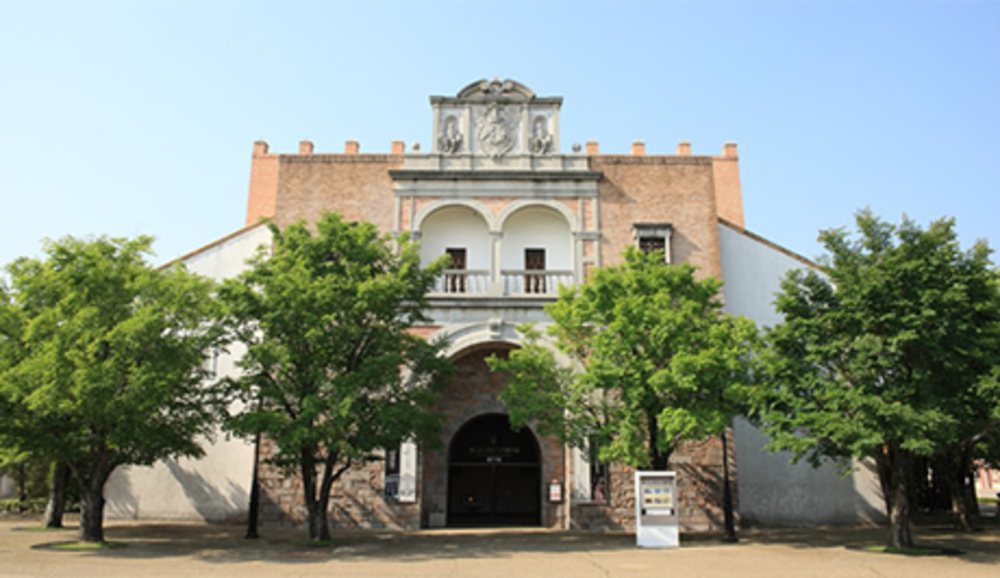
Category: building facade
[518,217]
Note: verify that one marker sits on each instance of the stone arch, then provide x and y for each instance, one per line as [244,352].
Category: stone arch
[571,218]
[473,392]
[483,210]
[466,337]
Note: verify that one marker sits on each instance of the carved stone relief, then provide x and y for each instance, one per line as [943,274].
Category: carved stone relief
[450,139]
[541,139]
[497,129]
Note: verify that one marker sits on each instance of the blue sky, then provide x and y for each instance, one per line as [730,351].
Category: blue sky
[129,117]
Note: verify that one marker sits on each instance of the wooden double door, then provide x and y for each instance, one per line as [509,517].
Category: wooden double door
[494,475]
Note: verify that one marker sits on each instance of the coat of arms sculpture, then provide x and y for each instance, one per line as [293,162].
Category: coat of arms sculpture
[497,129]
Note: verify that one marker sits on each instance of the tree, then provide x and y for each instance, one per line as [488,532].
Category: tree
[104,366]
[885,354]
[332,370]
[651,361]
[12,351]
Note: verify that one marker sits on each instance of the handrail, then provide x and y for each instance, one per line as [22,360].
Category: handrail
[535,281]
[513,282]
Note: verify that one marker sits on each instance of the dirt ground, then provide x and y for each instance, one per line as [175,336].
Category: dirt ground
[194,549]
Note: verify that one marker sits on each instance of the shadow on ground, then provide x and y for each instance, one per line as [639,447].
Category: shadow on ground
[225,543]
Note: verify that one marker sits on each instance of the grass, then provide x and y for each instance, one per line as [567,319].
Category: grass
[987,500]
[88,545]
[915,551]
[44,529]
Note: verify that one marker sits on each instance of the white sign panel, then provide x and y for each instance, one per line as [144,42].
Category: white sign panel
[656,516]
[408,472]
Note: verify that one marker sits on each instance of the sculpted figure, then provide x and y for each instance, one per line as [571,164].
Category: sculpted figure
[541,140]
[450,140]
[496,131]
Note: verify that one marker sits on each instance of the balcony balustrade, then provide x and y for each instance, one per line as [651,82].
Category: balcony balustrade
[513,283]
[462,281]
[534,281]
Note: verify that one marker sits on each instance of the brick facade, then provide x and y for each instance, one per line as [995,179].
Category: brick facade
[472,393]
[689,192]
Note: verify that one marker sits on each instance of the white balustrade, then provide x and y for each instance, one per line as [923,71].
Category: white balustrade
[534,281]
[462,282]
[513,282]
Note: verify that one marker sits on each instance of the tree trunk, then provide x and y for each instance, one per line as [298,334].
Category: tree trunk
[91,478]
[660,459]
[23,483]
[57,496]
[91,511]
[316,503]
[956,491]
[963,503]
[900,535]
[971,501]
[322,531]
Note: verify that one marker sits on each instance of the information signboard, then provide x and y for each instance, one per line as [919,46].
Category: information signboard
[656,517]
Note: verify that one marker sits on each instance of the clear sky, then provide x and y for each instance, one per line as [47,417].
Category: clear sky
[139,117]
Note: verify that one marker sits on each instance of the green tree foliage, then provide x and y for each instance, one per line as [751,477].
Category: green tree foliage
[890,353]
[102,362]
[650,360]
[332,370]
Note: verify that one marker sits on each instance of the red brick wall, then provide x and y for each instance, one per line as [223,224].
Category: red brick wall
[263,184]
[356,186]
[660,189]
[473,392]
[728,194]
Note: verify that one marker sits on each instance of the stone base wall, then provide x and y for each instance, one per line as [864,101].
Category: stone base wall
[619,511]
[357,500]
[699,486]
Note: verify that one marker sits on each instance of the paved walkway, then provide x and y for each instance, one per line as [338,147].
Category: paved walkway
[183,549]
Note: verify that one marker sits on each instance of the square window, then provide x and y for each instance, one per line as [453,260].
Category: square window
[651,237]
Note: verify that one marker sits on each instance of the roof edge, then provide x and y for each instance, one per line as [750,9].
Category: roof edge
[213,244]
[743,231]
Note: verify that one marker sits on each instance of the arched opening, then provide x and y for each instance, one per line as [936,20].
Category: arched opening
[462,233]
[494,474]
[536,254]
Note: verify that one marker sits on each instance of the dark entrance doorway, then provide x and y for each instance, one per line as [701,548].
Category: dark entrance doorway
[494,475]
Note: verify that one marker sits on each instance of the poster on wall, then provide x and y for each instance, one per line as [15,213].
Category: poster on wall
[408,472]
[657,495]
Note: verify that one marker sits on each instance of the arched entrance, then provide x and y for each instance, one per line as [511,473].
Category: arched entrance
[494,474]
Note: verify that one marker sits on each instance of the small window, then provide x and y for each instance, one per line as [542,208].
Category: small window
[649,244]
[600,481]
[392,474]
[650,237]
[600,485]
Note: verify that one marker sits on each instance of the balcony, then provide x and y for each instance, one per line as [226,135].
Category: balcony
[534,281]
[512,283]
[462,282]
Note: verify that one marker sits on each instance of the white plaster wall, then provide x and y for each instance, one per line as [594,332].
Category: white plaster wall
[217,486]
[227,259]
[456,227]
[537,228]
[773,491]
[8,489]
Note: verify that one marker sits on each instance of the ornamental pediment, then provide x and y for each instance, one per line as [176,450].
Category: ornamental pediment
[497,120]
